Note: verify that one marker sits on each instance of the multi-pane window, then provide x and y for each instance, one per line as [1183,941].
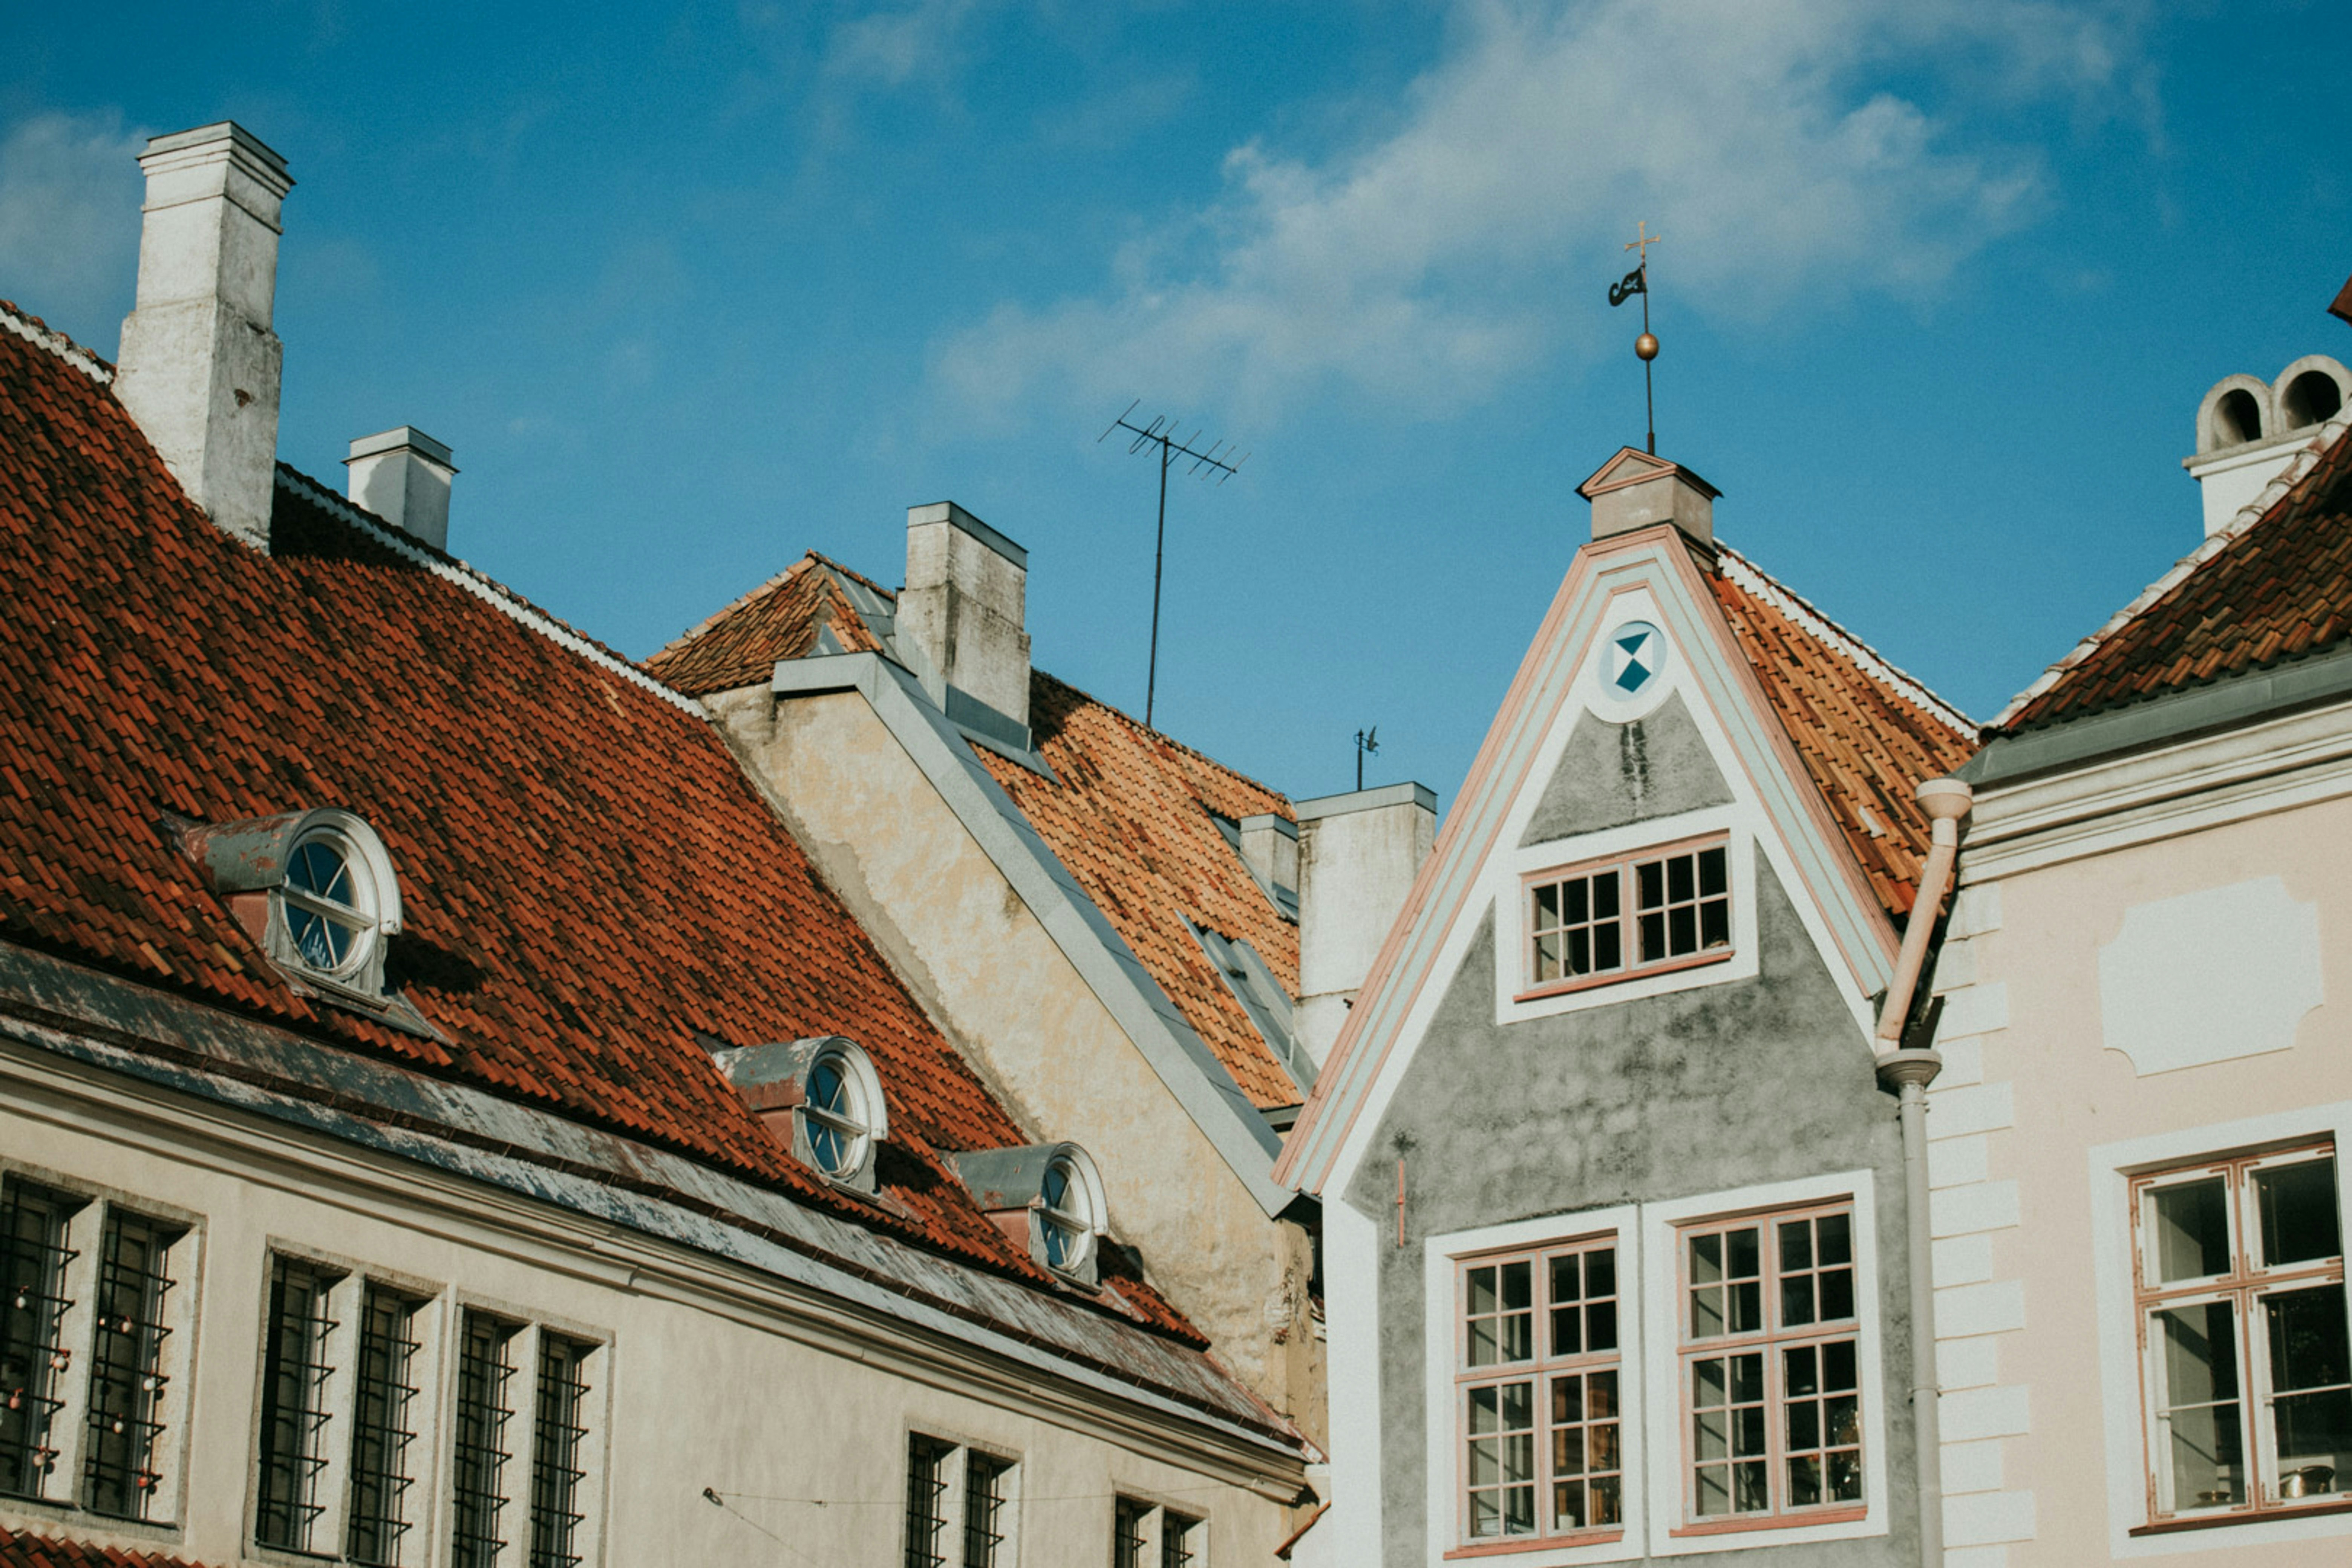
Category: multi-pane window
[482,1451]
[2239,1287]
[35,1360]
[1645,912]
[1539,1381]
[556,1472]
[947,1482]
[129,1378]
[301,1340]
[383,1428]
[983,1509]
[927,1501]
[1771,1367]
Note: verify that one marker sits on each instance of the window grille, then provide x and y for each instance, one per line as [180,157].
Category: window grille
[33,1354]
[127,1382]
[556,1471]
[1175,1539]
[926,1489]
[382,1428]
[484,1412]
[294,1369]
[1633,916]
[983,1509]
[1541,1452]
[1127,1533]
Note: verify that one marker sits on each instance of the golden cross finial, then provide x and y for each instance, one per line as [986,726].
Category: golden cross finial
[1643,240]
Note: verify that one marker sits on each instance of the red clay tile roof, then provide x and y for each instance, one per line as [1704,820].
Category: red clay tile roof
[587,876]
[18,1550]
[1131,816]
[2273,585]
[1868,733]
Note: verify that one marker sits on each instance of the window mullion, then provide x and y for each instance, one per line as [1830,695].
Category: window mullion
[338,1405]
[79,1230]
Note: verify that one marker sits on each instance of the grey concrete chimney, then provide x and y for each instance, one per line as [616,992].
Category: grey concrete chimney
[962,606]
[199,367]
[1270,849]
[1358,857]
[1634,489]
[403,476]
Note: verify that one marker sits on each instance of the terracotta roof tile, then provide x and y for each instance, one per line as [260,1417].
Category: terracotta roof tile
[1867,732]
[19,1548]
[1130,814]
[588,878]
[2274,583]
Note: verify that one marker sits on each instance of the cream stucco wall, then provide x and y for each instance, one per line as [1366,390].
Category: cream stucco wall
[712,1375]
[2061,1036]
[994,977]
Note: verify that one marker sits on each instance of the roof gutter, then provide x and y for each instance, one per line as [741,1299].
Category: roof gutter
[1908,1073]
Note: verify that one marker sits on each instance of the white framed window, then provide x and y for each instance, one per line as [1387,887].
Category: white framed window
[1047,1196]
[1069,1212]
[95,1327]
[821,1097]
[961,1505]
[2245,1348]
[1645,913]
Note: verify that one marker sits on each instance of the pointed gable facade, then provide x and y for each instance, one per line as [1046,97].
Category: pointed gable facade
[1614,1204]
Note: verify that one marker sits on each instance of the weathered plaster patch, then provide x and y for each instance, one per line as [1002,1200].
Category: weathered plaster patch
[2210,976]
[1611,774]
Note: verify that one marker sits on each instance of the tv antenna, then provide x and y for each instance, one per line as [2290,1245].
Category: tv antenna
[1646,346]
[1367,744]
[1217,459]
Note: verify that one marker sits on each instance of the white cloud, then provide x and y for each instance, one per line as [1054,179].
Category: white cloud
[69,195]
[1760,137]
[894,48]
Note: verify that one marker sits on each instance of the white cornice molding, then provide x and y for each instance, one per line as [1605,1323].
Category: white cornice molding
[2144,796]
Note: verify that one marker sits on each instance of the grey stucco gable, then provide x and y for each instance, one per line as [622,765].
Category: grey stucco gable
[1611,774]
[1675,1095]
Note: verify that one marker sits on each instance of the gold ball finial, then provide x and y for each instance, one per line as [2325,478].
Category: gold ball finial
[1646,346]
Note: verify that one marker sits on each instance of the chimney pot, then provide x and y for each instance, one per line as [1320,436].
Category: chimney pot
[403,476]
[963,607]
[199,367]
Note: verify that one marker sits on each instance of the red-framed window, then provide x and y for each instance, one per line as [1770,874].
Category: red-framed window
[2246,1352]
[1538,1388]
[1636,914]
[1770,1370]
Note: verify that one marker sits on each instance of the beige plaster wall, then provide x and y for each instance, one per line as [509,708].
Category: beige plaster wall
[991,975]
[713,1378]
[2028,1090]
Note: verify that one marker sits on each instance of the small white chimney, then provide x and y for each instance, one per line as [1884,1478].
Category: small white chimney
[1635,489]
[1358,857]
[962,607]
[2247,430]
[199,367]
[403,476]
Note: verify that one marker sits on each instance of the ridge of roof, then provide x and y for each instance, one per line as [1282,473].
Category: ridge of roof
[2247,518]
[1164,738]
[757,592]
[488,589]
[1802,611]
[33,329]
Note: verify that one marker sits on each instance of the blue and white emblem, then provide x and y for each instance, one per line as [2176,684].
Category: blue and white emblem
[1631,663]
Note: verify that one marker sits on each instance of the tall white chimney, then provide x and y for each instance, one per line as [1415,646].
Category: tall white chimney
[962,605]
[199,367]
[403,476]
[1358,857]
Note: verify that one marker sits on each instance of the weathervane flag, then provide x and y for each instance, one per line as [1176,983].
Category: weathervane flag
[1633,283]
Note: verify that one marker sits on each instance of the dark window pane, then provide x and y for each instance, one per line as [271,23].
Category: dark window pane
[1837,1294]
[1835,1234]
[1746,1251]
[1804,1481]
[126,1374]
[1746,1379]
[1604,896]
[1547,906]
[1650,884]
[1565,1273]
[1600,1326]
[1801,1370]
[1567,1401]
[1805,1425]
[1579,952]
[1838,1365]
[1601,1271]
[1679,887]
[1600,1394]
[1654,938]
[1712,879]
[2297,1203]
[1715,925]
[1576,900]
[1796,1243]
[1518,1286]
[2192,1230]
[1797,1301]
[1845,1478]
[1682,931]
[1567,1337]
[1608,948]
[2308,1340]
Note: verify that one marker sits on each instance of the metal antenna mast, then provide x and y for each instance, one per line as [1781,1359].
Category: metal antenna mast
[1217,459]
[1367,744]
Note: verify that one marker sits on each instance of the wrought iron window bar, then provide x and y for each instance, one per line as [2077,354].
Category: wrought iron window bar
[983,1509]
[555,1471]
[1175,1539]
[1127,1537]
[478,1494]
[294,1369]
[127,1381]
[380,1431]
[927,1488]
[32,1352]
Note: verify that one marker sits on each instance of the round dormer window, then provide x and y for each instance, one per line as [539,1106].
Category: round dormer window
[838,1114]
[1067,1211]
[329,902]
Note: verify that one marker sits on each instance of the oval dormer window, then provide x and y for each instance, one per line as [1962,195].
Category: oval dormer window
[1067,1216]
[330,905]
[838,1114]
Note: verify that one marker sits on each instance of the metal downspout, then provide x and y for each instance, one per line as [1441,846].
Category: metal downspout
[1908,1073]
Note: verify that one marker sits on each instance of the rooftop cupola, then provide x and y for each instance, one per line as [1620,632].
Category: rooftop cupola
[2248,429]
[962,607]
[199,367]
[1635,489]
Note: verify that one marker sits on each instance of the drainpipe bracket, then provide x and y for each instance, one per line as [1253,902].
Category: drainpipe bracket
[1907,1068]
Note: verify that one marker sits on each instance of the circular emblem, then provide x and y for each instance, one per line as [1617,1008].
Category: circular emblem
[1635,654]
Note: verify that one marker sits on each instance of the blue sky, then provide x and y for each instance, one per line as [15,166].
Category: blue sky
[692,289]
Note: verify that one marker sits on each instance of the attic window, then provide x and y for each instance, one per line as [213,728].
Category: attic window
[330,903]
[820,1097]
[1049,1197]
[1066,1213]
[1638,914]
